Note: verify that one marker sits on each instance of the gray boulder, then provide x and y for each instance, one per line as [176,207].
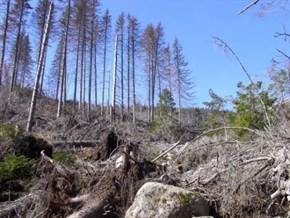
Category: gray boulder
[165,201]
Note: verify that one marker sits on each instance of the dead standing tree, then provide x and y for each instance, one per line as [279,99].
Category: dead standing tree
[114,80]
[39,67]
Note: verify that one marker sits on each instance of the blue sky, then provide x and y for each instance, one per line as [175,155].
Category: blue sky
[195,22]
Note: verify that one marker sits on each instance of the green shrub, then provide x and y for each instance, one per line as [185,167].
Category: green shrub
[249,110]
[16,167]
[156,125]
[165,111]
[10,131]
[15,172]
[64,158]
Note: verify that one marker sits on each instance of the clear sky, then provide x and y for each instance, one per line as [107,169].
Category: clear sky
[195,22]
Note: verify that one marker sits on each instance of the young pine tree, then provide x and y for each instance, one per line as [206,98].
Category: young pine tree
[249,111]
[165,110]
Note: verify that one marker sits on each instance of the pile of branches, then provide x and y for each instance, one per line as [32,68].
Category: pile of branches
[238,179]
[95,188]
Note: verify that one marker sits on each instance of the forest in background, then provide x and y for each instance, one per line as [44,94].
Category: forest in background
[84,39]
[81,42]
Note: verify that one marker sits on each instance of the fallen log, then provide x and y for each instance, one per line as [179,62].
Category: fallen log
[84,143]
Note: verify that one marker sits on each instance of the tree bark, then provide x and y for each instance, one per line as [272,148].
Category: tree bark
[128,70]
[63,65]
[91,69]
[114,80]
[77,67]
[16,55]
[4,41]
[39,67]
[133,77]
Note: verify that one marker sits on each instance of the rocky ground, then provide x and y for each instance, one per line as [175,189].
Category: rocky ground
[122,170]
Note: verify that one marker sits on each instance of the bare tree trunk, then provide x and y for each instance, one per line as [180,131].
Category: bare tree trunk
[133,78]
[122,75]
[104,74]
[42,71]
[45,52]
[153,70]
[57,87]
[108,93]
[39,67]
[65,84]
[16,56]
[4,41]
[159,81]
[91,69]
[170,86]
[114,80]
[63,65]
[95,73]
[128,71]
[77,68]
[149,90]
[179,98]
[82,75]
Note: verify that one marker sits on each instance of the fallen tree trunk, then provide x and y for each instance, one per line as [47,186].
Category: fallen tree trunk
[85,143]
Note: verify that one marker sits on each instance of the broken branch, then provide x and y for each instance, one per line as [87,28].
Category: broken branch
[247,7]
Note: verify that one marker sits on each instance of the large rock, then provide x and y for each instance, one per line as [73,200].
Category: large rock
[158,200]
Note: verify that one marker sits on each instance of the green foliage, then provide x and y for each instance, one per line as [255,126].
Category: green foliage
[10,131]
[249,109]
[64,158]
[165,111]
[13,171]
[217,114]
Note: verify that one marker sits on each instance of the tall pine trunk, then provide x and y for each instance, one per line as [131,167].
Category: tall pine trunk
[104,72]
[39,67]
[4,41]
[77,68]
[16,55]
[95,73]
[62,83]
[149,89]
[128,71]
[133,78]
[114,80]
[91,69]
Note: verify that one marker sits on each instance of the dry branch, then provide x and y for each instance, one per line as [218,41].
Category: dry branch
[21,205]
[247,7]
[165,152]
[256,159]
[252,176]
[214,130]
[283,53]
[282,34]
[224,45]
